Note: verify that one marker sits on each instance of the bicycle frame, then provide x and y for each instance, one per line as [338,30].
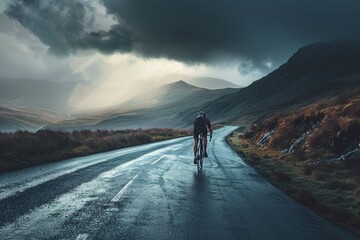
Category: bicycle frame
[199,153]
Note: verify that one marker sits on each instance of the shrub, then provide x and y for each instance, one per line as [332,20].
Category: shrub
[320,137]
[355,222]
[341,215]
[254,157]
[351,128]
[281,176]
[305,197]
[318,174]
[335,184]
[81,150]
[357,194]
[307,169]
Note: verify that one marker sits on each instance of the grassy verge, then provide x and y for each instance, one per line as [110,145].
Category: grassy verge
[26,149]
[331,192]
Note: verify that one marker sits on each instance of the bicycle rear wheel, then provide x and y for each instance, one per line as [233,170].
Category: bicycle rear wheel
[198,165]
[200,160]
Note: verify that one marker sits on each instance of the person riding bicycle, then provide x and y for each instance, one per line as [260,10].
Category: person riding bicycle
[201,125]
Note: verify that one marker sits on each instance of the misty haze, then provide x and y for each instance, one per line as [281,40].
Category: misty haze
[179,119]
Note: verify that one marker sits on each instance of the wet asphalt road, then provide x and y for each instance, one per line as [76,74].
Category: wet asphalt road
[153,192]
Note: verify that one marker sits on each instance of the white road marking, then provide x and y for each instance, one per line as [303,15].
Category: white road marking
[51,215]
[123,190]
[157,160]
[19,181]
[82,236]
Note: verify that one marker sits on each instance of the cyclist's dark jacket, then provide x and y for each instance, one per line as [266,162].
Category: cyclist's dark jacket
[202,128]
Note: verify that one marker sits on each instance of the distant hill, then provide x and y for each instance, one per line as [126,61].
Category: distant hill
[163,106]
[24,104]
[169,103]
[159,96]
[30,93]
[22,118]
[312,73]
[210,83]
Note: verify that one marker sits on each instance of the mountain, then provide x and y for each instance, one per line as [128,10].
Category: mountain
[162,106]
[35,93]
[210,83]
[160,96]
[23,118]
[314,72]
[30,104]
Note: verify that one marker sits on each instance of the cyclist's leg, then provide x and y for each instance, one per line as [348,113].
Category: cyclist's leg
[205,142]
[195,143]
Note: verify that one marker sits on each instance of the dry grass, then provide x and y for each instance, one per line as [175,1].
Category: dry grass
[323,130]
[24,149]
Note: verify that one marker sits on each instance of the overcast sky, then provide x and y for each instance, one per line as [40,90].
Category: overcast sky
[109,46]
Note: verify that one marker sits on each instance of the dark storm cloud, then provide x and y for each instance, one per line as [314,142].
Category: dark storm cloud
[194,31]
[63,26]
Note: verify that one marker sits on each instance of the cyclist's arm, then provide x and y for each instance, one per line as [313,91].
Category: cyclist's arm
[208,123]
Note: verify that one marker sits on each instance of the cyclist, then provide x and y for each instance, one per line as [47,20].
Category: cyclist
[201,125]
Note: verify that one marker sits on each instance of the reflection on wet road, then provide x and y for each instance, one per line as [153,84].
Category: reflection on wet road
[153,192]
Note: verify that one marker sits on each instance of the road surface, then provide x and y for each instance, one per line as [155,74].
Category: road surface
[153,192]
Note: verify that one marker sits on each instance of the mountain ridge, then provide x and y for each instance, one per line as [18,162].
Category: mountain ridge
[303,79]
[210,83]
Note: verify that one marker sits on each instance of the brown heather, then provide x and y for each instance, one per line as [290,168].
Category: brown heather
[333,127]
[24,149]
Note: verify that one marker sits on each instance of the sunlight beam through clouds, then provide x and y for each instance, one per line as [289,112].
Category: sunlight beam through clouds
[113,79]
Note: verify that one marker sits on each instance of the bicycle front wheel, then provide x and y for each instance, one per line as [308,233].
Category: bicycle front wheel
[200,164]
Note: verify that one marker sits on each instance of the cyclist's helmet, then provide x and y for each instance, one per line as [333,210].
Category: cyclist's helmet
[202,113]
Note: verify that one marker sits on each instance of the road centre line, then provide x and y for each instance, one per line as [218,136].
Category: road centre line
[123,190]
[157,160]
[82,236]
[21,180]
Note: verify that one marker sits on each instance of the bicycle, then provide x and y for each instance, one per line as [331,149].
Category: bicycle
[200,150]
